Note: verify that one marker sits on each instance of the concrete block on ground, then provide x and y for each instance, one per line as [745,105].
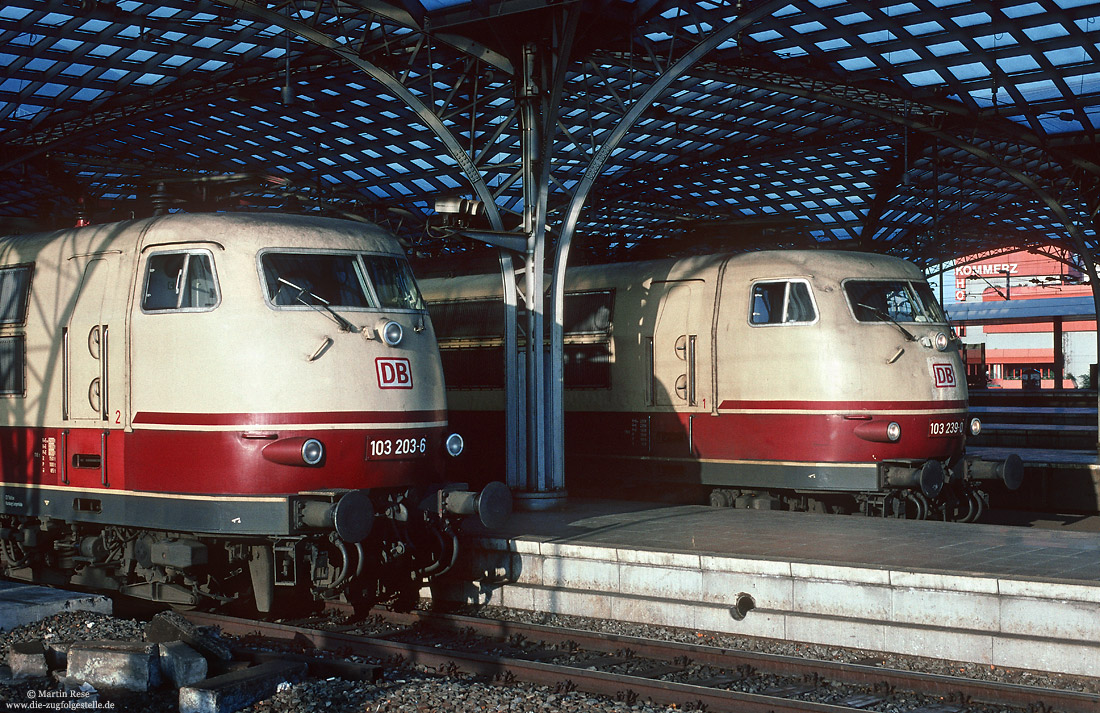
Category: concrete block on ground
[125,665]
[27,659]
[233,691]
[643,610]
[566,601]
[86,696]
[173,626]
[22,604]
[323,668]
[582,574]
[57,654]
[181,665]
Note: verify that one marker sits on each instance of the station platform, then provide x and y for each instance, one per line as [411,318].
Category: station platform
[1055,480]
[1016,597]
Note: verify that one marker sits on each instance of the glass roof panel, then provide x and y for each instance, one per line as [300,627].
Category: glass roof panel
[13,13]
[924,28]
[945,49]
[853,18]
[807,104]
[94,26]
[1027,10]
[1046,32]
[977,18]
[433,5]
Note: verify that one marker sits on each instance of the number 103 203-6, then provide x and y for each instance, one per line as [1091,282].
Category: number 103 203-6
[397,447]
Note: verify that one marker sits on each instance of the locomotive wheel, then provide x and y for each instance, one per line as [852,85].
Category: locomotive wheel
[975,506]
[919,503]
[720,499]
[893,506]
[905,505]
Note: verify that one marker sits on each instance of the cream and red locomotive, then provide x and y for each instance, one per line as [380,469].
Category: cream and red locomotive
[813,380]
[202,409]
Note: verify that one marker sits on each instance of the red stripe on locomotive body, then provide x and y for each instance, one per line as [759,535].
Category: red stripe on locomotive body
[798,432]
[155,418]
[822,436]
[219,462]
[946,407]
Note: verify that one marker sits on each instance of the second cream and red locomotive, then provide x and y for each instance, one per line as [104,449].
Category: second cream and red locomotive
[815,380]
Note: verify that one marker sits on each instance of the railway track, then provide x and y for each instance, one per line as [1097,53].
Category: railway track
[691,677]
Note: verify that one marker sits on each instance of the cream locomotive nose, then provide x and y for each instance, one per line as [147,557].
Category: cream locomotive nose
[233,432]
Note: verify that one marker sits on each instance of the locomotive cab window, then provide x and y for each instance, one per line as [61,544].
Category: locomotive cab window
[781,302]
[345,280]
[179,282]
[393,282]
[893,300]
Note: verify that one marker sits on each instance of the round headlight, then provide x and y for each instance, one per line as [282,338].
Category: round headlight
[942,342]
[392,333]
[454,444]
[975,426]
[893,431]
[313,451]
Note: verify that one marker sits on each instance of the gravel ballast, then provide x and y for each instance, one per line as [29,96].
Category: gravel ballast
[415,690]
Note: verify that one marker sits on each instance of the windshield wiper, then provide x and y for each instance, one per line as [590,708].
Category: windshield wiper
[345,326]
[885,317]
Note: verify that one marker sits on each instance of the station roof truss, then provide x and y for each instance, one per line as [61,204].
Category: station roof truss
[929,129]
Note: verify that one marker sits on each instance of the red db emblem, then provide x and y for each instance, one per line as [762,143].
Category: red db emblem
[944,375]
[393,373]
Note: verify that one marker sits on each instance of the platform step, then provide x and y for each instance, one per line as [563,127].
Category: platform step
[1035,435]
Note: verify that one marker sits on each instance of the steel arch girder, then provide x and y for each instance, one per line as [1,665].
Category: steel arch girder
[554,403]
[450,142]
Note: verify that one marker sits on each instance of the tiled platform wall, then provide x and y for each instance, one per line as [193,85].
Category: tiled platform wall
[1016,623]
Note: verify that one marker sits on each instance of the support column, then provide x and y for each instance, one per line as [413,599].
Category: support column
[555,406]
[515,461]
[541,490]
[1059,355]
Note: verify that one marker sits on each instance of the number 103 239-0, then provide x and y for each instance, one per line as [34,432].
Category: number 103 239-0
[940,429]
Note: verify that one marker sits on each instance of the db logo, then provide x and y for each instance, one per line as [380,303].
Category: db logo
[393,373]
[945,375]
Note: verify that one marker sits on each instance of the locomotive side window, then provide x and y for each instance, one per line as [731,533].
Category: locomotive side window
[473,367]
[471,342]
[587,340]
[782,302]
[15,288]
[893,300]
[179,281]
[468,319]
[13,363]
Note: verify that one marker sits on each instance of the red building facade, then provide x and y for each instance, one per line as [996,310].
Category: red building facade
[1024,355]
